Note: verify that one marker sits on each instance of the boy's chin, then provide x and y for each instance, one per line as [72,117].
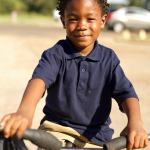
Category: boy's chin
[80,46]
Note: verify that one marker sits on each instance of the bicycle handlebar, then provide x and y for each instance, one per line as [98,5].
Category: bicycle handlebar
[42,139]
[46,140]
[117,143]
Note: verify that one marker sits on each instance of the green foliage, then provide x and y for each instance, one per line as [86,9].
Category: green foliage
[139,3]
[39,6]
[7,6]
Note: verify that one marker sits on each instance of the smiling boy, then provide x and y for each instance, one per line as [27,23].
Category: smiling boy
[81,77]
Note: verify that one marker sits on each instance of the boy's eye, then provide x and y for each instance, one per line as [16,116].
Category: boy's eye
[72,19]
[91,19]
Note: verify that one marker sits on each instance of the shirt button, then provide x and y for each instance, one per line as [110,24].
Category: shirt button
[83,69]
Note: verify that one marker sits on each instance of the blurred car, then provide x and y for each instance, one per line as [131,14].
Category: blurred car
[129,18]
[111,10]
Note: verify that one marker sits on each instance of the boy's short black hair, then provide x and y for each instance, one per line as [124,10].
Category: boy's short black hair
[61,5]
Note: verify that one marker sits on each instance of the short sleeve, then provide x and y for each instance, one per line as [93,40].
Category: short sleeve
[47,68]
[122,87]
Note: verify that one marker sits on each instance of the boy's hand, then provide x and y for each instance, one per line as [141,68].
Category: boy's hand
[137,136]
[14,124]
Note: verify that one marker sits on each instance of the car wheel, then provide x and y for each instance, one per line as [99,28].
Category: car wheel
[118,27]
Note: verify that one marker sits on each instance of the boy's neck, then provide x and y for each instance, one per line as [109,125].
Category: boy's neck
[83,51]
[86,51]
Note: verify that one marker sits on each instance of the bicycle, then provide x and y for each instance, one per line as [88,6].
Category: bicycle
[47,141]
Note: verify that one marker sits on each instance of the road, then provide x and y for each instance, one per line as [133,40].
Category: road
[22,46]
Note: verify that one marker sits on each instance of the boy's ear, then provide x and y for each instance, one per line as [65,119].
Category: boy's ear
[63,22]
[103,20]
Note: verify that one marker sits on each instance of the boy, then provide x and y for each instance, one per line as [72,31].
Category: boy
[80,76]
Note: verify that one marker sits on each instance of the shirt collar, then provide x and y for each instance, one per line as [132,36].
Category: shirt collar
[71,52]
[95,54]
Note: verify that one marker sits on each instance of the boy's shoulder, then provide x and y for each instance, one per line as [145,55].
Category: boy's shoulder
[62,48]
[105,48]
[106,51]
[56,48]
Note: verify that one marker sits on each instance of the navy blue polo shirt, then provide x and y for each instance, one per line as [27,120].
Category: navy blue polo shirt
[80,89]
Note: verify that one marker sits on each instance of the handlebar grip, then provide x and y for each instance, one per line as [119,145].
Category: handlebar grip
[116,143]
[42,139]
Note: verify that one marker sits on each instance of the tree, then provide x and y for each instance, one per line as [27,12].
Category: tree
[139,3]
[41,6]
[7,6]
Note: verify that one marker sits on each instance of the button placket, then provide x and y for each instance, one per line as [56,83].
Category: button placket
[83,66]
[83,75]
[83,69]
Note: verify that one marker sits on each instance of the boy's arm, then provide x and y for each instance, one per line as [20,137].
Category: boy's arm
[16,123]
[137,136]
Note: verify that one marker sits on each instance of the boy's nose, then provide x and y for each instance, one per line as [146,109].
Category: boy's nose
[82,25]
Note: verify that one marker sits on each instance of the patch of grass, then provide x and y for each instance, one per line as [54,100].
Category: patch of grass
[4,18]
[28,19]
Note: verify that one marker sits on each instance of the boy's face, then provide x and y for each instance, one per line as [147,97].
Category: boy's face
[83,21]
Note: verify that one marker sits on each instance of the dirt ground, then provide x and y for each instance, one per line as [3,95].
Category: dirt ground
[21,48]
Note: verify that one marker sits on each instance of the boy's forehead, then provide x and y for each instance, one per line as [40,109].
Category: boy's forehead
[83,3]
[79,5]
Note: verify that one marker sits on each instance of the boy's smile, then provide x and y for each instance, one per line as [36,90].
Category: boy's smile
[83,21]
